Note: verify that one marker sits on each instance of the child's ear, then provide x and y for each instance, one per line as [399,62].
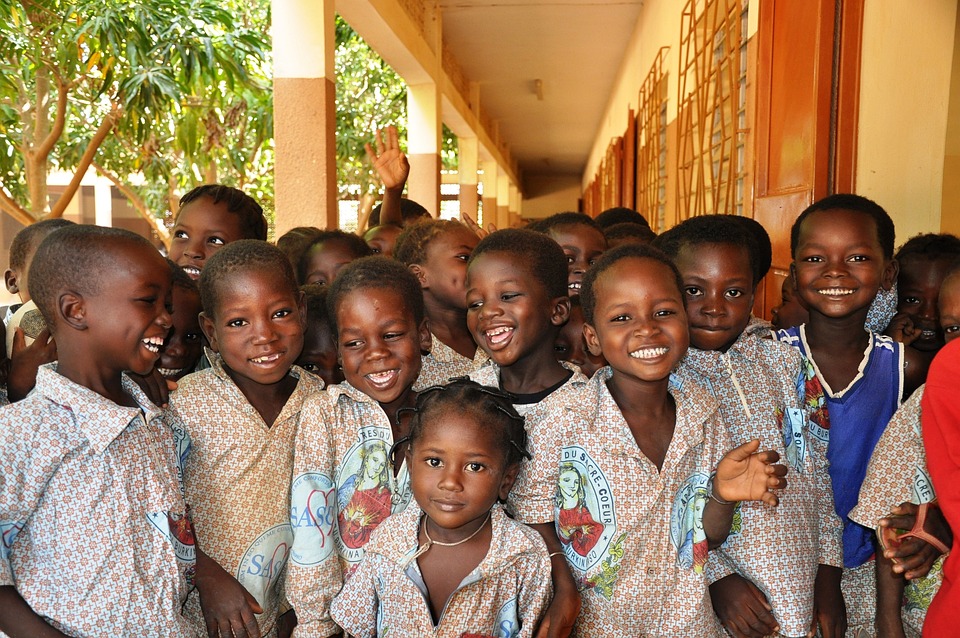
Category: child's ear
[10,278]
[561,311]
[73,310]
[593,341]
[420,274]
[890,273]
[207,326]
[426,339]
[793,275]
[509,478]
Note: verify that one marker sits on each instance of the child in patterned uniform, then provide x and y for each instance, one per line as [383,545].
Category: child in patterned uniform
[88,444]
[438,568]
[896,486]
[319,354]
[237,421]
[644,460]
[780,572]
[436,251]
[581,239]
[842,249]
[345,481]
[516,303]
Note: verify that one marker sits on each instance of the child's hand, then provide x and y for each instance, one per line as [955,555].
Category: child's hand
[902,329]
[228,608]
[747,475]
[914,557]
[561,615]
[25,360]
[742,608]
[389,161]
[829,610]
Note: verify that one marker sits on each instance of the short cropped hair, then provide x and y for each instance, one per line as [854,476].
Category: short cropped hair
[711,229]
[375,272]
[886,232]
[240,256]
[294,242]
[354,243]
[491,408]
[542,256]
[557,220]
[930,246]
[30,237]
[409,211]
[620,215]
[411,246]
[588,298]
[763,247]
[629,230]
[253,225]
[315,301]
[75,258]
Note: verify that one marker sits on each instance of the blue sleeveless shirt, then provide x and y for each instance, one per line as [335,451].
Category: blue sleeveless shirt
[858,414]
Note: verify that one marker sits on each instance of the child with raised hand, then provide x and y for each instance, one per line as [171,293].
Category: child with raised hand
[779,573]
[89,443]
[436,251]
[236,423]
[319,354]
[923,261]
[184,344]
[842,250]
[326,253]
[346,482]
[453,563]
[210,217]
[581,239]
[516,304]
[651,464]
[571,346]
[897,495]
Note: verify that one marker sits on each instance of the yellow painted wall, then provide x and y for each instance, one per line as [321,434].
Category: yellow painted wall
[904,95]
[549,194]
[950,200]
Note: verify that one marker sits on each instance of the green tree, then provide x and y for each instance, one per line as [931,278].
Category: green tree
[113,82]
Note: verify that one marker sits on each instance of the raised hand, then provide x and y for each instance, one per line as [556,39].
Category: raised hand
[747,475]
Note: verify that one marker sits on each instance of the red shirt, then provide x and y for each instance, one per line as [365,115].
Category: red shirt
[941,437]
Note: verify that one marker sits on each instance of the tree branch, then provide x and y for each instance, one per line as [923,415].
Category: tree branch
[137,202]
[102,131]
[15,210]
[44,148]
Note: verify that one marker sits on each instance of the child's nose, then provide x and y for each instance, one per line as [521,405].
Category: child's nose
[451,480]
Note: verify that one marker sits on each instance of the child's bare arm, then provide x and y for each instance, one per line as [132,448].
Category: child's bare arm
[889,596]
[742,607]
[829,609]
[18,619]
[394,169]
[228,608]
[562,613]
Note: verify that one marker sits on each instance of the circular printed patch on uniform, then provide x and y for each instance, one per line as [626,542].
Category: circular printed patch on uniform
[313,513]
[262,564]
[586,519]
[364,495]
[686,521]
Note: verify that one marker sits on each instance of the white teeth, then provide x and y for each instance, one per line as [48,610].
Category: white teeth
[499,335]
[836,292]
[266,358]
[575,285]
[170,372]
[929,334]
[648,353]
[379,378]
[193,271]
[153,344]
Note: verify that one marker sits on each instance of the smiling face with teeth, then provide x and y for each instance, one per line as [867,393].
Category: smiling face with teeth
[582,246]
[918,288]
[839,264]
[257,327]
[379,344]
[202,228]
[184,343]
[639,322]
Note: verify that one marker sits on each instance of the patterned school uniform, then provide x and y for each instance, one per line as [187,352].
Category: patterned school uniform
[898,474]
[571,404]
[766,390]
[343,488]
[504,596]
[642,575]
[858,415]
[96,538]
[941,439]
[237,478]
[443,363]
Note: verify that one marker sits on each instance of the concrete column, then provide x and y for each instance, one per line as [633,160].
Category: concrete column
[305,116]
[423,145]
[503,201]
[467,173]
[489,181]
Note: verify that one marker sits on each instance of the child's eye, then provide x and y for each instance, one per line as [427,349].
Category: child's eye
[949,330]
[859,258]
[309,367]
[474,467]
[355,343]
[236,323]
[192,337]
[813,259]
[392,336]
[280,314]
[664,313]
[463,257]
[216,241]
[570,259]
[507,296]
[620,319]
[911,301]
[433,462]
[692,291]
[560,348]
[474,305]
[179,234]
[734,293]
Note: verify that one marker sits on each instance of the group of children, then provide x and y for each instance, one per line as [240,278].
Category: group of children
[430,433]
